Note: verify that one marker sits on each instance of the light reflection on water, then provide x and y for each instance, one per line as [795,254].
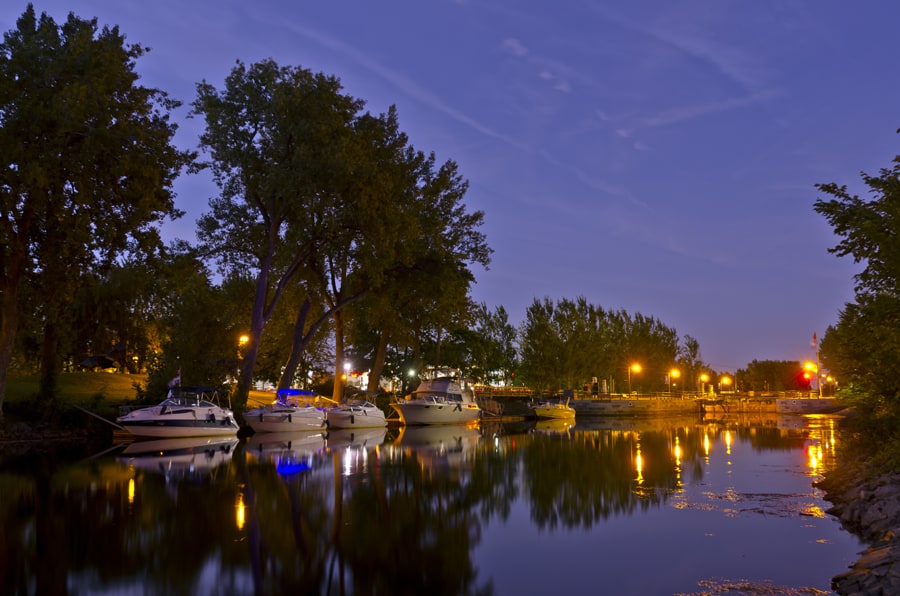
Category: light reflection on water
[545,507]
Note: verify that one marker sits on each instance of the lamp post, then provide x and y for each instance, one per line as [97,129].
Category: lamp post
[635,368]
[724,383]
[704,378]
[673,374]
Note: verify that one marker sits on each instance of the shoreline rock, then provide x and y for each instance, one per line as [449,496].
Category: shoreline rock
[868,506]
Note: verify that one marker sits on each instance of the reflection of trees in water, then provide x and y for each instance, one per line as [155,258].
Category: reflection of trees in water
[288,526]
[576,482]
[408,521]
[411,527]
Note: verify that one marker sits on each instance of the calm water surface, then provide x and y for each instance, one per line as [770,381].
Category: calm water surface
[605,507]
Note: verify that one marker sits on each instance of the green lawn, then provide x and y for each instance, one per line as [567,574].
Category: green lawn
[79,387]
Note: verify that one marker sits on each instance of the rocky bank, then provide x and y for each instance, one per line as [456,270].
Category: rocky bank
[869,507]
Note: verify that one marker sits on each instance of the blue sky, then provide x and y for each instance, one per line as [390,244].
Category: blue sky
[655,156]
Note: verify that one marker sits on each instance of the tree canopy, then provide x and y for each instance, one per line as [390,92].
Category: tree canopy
[86,167]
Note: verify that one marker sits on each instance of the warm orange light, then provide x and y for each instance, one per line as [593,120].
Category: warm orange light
[726,380]
[635,367]
[243,339]
[240,512]
[704,377]
[674,373]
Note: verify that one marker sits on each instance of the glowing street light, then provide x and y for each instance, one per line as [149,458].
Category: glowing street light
[634,368]
[673,374]
[724,382]
[704,379]
[811,371]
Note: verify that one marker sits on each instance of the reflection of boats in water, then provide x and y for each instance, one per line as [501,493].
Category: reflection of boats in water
[553,426]
[553,410]
[291,452]
[186,412]
[440,400]
[183,455]
[355,437]
[439,447]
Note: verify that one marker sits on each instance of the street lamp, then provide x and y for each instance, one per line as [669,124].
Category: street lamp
[673,374]
[704,379]
[634,368]
[724,383]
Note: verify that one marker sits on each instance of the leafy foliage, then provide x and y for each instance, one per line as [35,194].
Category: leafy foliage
[86,168]
[565,345]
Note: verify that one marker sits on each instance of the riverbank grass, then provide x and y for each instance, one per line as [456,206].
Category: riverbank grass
[79,388]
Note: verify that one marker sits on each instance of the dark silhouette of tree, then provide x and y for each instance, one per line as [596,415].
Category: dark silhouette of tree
[87,172]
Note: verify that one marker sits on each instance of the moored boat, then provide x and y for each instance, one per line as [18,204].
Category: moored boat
[440,400]
[291,411]
[355,414]
[186,412]
[553,409]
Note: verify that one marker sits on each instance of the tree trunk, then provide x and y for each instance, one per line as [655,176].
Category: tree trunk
[257,324]
[298,346]
[338,356]
[378,363]
[13,271]
[9,316]
[49,372]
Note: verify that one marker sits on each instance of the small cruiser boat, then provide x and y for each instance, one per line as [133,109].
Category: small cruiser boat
[355,414]
[440,400]
[553,409]
[186,412]
[291,411]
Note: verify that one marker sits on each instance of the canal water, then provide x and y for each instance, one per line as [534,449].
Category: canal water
[601,506]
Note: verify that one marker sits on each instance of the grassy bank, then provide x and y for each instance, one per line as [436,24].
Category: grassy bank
[78,387]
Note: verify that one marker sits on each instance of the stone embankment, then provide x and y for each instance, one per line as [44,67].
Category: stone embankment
[869,507]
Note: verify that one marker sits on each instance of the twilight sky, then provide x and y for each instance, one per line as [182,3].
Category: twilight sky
[656,156]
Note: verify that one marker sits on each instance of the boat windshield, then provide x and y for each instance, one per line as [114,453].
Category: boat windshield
[187,401]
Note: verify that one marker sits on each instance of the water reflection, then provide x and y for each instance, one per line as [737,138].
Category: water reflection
[184,456]
[409,510]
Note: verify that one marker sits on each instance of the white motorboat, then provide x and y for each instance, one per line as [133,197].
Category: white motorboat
[441,400]
[186,412]
[553,409]
[355,414]
[291,411]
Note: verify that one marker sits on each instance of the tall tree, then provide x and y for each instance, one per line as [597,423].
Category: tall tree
[86,166]
[274,135]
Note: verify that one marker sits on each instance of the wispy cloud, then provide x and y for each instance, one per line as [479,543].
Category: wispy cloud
[680,114]
[402,82]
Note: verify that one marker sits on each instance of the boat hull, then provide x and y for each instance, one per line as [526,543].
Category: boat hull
[554,411]
[284,420]
[355,417]
[206,423]
[420,413]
